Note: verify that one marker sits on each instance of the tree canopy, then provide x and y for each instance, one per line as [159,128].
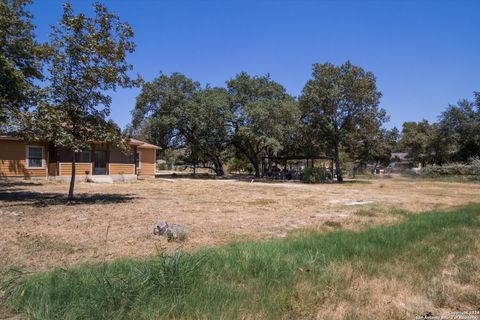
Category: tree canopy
[418,139]
[459,129]
[264,117]
[176,112]
[340,105]
[455,137]
[254,117]
[251,117]
[21,61]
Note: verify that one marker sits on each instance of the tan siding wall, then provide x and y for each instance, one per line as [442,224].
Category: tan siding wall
[13,163]
[147,158]
[117,156]
[121,168]
[80,169]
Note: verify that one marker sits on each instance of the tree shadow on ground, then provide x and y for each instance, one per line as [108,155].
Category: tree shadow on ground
[250,178]
[12,193]
[355,181]
[211,177]
[12,184]
[198,176]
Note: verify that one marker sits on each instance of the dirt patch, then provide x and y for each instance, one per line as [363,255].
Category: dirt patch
[40,229]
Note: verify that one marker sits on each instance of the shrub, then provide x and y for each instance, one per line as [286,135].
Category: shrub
[314,175]
[239,165]
[453,169]
[475,165]
[163,166]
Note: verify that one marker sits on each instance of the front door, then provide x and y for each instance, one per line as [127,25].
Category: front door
[100,162]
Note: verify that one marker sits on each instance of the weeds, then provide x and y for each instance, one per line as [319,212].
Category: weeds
[366,212]
[468,269]
[333,224]
[254,279]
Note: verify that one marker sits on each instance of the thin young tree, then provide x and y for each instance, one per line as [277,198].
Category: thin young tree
[88,59]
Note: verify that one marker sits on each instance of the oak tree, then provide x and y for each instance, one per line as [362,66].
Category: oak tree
[338,101]
[176,112]
[264,115]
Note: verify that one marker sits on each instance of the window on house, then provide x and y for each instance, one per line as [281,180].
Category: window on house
[83,156]
[35,157]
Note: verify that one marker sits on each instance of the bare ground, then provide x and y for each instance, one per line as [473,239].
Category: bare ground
[41,230]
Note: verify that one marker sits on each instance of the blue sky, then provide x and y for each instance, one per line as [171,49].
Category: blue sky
[425,54]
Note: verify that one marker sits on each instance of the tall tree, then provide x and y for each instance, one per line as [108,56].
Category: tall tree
[460,129]
[207,120]
[153,117]
[88,59]
[377,147]
[264,114]
[176,112]
[302,141]
[339,101]
[154,114]
[421,141]
[21,60]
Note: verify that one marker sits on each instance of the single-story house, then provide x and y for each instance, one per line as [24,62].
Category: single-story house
[20,159]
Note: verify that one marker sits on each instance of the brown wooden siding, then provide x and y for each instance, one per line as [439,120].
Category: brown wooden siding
[13,160]
[147,159]
[121,168]
[81,169]
[52,169]
[118,156]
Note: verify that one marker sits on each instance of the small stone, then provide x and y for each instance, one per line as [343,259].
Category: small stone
[160,228]
[173,232]
[176,232]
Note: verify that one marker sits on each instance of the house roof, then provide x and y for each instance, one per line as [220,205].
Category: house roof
[141,144]
[9,138]
[132,142]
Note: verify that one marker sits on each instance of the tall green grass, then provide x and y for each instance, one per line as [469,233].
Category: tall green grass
[247,279]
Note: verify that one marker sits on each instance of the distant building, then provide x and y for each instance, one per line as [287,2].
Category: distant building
[399,162]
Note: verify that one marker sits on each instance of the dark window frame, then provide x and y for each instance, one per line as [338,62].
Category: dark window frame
[29,157]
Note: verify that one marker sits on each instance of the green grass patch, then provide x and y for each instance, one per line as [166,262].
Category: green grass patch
[247,279]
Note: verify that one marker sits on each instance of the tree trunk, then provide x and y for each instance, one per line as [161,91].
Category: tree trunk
[256,166]
[337,163]
[72,178]
[217,163]
[375,168]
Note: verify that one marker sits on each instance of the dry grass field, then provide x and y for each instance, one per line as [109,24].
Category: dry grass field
[40,230]
[396,265]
